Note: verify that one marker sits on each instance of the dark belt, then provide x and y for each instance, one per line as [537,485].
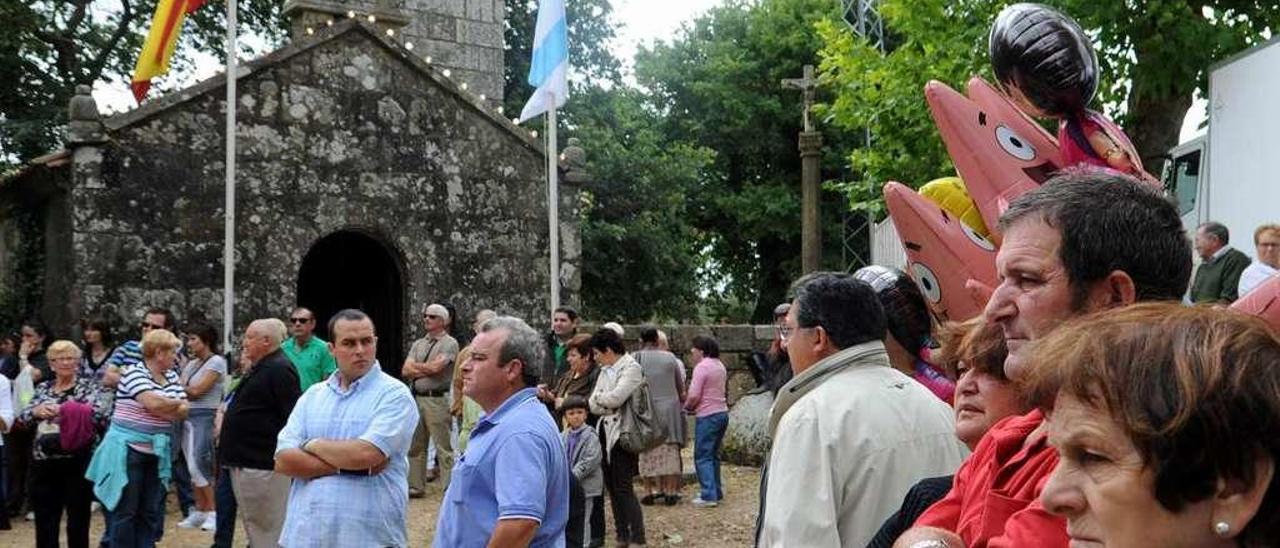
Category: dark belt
[431,393]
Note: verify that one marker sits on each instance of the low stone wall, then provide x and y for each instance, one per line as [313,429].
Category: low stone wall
[737,342]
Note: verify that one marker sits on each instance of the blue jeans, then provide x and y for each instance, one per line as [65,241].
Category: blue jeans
[133,522]
[224,500]
[708,432]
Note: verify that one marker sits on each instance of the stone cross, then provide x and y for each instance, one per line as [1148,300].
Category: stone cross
[808,85]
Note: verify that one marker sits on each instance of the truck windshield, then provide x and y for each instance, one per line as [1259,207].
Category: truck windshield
[1184,180]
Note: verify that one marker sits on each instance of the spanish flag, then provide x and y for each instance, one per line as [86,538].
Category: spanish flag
[161,41]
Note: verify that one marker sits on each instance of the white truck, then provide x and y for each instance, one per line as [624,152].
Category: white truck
[1226,175]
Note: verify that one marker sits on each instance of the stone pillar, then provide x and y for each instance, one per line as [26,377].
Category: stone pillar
[810,220]
[64,290]
[315,14]
[573,175]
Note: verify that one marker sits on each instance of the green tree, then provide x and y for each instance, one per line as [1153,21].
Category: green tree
[49,47]
[641,253]
[1154,56]
[718,86]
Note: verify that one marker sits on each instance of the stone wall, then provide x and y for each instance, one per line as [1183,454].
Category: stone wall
[465,36]
[737,342]
[344,132]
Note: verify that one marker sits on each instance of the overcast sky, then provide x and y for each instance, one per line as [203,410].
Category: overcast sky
[639,22]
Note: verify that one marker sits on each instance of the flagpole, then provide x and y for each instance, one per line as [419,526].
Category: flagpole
[229,230]
[553,204]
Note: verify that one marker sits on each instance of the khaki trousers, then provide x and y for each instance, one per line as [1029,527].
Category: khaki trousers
[262,498]
[434,420]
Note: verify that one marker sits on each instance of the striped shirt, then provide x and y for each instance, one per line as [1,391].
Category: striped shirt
[136,379]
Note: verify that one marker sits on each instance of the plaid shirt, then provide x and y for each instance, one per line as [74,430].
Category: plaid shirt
[345,510]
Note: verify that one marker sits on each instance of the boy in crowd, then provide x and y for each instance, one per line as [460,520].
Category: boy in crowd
[586,481]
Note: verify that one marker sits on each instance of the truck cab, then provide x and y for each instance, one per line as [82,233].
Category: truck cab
[1183,177]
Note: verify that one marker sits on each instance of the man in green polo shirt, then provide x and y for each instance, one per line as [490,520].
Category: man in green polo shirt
[309,354]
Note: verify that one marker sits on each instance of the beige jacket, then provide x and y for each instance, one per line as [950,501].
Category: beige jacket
[614,386]
[850,436]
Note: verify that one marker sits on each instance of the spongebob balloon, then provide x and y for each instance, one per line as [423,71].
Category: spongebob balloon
[950,194]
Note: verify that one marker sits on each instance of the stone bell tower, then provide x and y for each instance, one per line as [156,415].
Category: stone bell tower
[464,36]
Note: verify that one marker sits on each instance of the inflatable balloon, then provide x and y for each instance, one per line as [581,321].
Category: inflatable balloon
[999,152]
[1044,60]
[904,307]
[1263,301]
[1047,65]
[942,253]
[950,194]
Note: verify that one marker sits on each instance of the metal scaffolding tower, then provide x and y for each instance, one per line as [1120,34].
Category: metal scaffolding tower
[856,227]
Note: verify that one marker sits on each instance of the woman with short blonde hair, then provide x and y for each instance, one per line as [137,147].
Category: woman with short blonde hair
[133,464]
[67,415]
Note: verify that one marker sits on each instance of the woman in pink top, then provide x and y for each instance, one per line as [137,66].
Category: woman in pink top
[706,398]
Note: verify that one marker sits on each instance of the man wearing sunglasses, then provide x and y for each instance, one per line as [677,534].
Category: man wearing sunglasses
[309,354]
[130,352]
[429,372]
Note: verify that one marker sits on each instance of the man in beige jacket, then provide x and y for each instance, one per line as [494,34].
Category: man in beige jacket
[851,434]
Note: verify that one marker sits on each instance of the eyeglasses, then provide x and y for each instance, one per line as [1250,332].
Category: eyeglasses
[145,325]
[299,320]
[785,331]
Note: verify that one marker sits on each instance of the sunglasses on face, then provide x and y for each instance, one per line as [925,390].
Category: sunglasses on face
[299,320]
[145,325]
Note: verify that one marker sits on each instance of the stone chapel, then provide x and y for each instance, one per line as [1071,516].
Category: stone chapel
[373,171]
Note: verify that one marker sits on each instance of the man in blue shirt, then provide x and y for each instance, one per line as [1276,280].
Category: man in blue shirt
[346,446]
[511,488]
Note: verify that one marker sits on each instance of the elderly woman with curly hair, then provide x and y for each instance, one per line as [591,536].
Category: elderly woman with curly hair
[1165,420]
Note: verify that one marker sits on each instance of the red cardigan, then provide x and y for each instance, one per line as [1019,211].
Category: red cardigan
[995,500]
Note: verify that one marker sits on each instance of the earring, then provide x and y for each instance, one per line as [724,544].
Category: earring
[1222,529]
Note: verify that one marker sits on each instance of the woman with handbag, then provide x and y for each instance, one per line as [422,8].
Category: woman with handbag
[67,415]
[619,380]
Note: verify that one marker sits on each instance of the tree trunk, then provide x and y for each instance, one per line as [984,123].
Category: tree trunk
[1155,120]
[777,260]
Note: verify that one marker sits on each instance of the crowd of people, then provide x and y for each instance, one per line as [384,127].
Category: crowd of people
[288,430]
[1091,404]
[1087,404]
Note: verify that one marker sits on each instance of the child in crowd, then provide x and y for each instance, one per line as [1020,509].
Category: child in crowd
[586,482]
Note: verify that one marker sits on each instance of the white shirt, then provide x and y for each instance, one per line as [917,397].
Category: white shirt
[6,406]
[1254,274]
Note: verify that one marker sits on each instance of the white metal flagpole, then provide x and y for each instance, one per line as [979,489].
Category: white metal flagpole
[229,235]
[553,205]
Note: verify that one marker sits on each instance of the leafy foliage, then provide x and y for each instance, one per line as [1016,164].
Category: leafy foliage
[641,253]
[1153,55]
[718,85]
[51,46]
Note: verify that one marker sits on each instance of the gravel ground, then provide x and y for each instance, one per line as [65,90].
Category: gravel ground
[730,525]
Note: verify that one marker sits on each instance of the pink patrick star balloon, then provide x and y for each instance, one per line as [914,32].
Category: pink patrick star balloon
[997,150]
[942,254]
[1263,301]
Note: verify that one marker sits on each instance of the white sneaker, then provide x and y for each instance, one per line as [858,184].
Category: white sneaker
[210,522]
[698,502]
[31,516]
[194,519]
[94,507]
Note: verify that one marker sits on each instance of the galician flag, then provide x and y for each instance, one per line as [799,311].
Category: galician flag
[549,70]
[161,41]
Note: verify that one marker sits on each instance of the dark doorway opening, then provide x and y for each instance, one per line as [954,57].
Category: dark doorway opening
[349,269]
